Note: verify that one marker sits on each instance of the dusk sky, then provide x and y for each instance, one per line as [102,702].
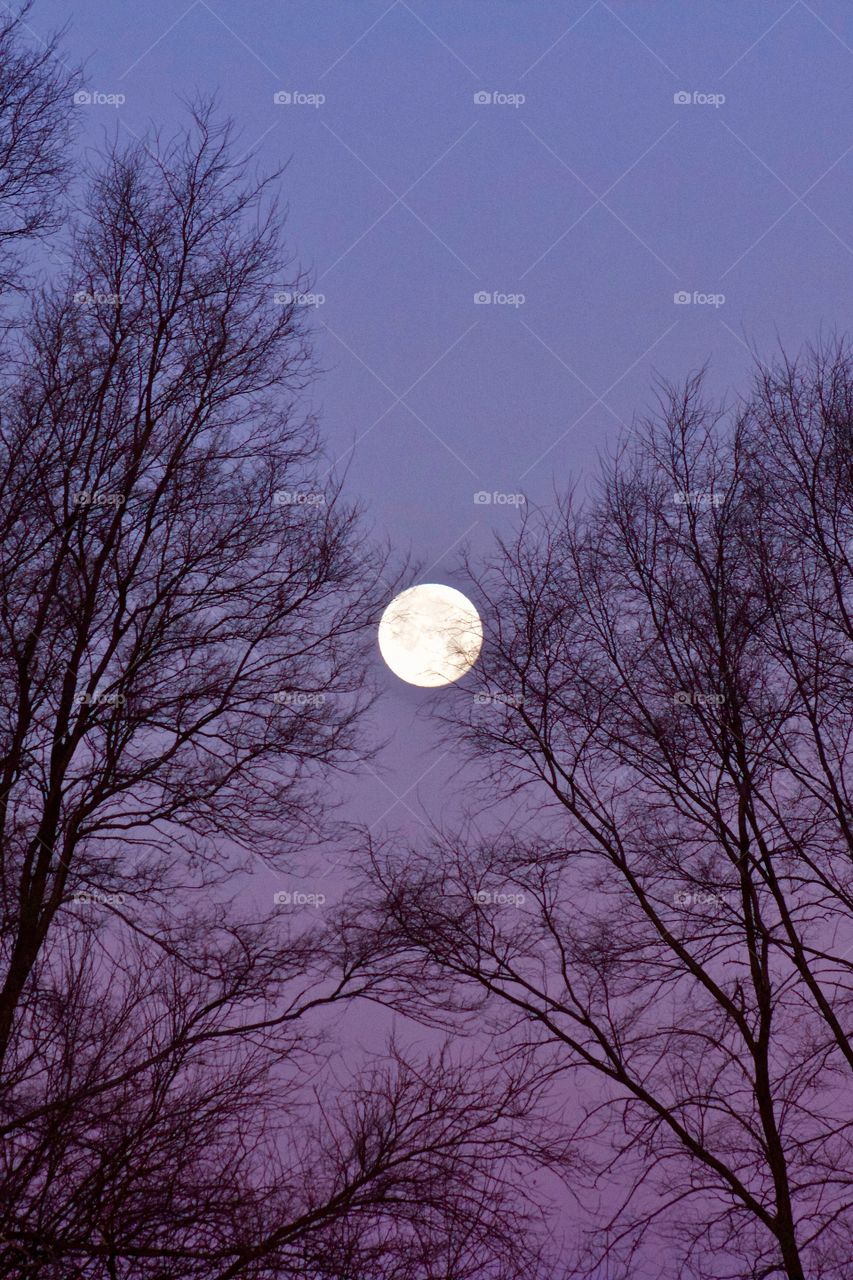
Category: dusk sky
[590,192]
[269,1008]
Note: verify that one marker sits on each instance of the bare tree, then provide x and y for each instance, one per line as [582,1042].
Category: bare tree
[190,1124]
[183,601]
[181,626]
[36,106]
[665,691]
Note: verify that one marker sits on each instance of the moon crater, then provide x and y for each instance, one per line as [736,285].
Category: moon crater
[430,635]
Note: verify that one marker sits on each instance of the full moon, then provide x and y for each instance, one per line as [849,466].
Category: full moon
[430,635]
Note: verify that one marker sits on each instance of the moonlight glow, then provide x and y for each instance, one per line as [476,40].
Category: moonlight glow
[430,635]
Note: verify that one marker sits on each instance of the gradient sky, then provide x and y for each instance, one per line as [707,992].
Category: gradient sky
[597,199]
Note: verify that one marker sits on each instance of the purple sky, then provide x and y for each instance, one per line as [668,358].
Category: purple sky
[596,199]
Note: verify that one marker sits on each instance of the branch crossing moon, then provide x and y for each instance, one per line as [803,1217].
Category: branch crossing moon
[430,635]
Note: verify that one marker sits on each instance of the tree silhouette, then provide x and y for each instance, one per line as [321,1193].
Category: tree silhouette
[183,601]
[36,91]
[665,691]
